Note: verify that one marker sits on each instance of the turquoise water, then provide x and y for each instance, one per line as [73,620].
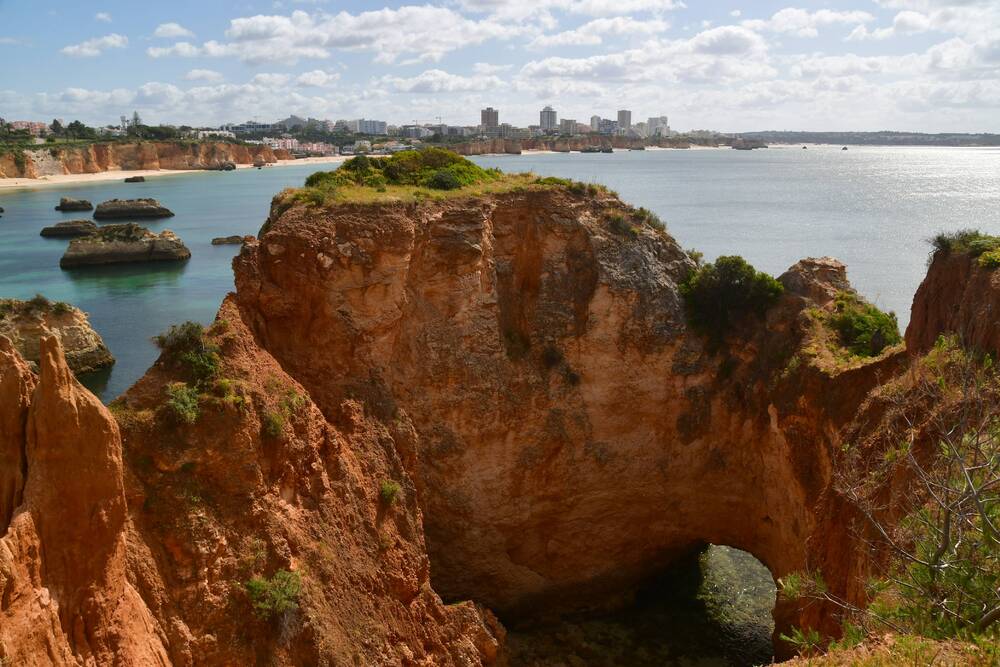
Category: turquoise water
[871,207]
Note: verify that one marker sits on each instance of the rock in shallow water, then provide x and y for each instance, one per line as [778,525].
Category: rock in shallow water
[125,243]
[131,208]
[230,240]
[69,229]
[26,322]
[70,204]
[135,179]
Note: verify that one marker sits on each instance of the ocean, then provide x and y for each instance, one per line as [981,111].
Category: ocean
[871,207]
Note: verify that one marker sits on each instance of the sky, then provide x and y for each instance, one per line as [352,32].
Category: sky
[732,65]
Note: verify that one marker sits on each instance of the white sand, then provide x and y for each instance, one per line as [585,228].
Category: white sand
[73,179]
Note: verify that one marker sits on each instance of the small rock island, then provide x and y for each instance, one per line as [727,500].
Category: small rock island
[124,243]
[69,229]
[25,322]
[116,209]
[70,204]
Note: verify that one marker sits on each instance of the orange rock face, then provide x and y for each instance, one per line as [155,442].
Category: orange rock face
[97,158]
[574,435]
[495,399]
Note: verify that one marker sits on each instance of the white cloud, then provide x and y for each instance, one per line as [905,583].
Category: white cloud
[489,68]
[905,23]
[103,17]
[593,33]
[736,13]
[439,81]
[94,47]
[274,80]
[172,31]
[317,78]
[203,75]
[803,23]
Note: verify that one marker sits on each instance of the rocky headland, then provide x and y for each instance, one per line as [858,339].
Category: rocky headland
[67,204]
[139,156]
[25,323]
[118,209]
[124,243]
[69,229]
[499,398]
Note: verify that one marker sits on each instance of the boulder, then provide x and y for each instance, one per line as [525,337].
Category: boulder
[135,179]
[69,229]
[227,166]
[25,323]
[229,240]
[69,204]
[131,208]
[124,243]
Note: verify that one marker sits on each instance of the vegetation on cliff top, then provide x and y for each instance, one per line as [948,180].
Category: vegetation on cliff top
[429,173]
[938,572]
[972,242]
[721,294]
[863,329]
[37,306]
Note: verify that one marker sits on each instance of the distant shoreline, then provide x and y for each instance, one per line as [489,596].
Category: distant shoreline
[121,175]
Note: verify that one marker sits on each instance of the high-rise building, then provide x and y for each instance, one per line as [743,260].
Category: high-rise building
[567,126]
[370,126]
[548,119]
[595,123]
[624,119]
[490,117]
[658,126]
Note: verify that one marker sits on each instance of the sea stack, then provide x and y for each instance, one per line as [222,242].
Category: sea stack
[117,209]
[135,179]
[24,323]
[124,243]
[70,204]
[69,229]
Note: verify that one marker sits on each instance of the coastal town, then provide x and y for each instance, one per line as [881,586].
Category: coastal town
[321,137]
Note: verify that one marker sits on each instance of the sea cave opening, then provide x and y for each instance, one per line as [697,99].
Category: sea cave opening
[711,608]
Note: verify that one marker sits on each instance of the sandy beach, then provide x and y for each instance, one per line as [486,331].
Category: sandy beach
[104,176]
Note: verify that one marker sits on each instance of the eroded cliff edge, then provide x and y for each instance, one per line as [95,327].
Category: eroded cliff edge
[101,157]
[517,365]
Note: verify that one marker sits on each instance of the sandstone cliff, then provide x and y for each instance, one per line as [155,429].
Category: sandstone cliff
[96,158]
[575,435]
[145,562]
[496,399]
[25,323]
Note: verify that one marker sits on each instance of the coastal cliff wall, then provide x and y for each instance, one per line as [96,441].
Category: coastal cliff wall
[147,155]
[494,399]
[575,436]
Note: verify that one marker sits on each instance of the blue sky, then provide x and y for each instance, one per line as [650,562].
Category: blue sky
[929,65]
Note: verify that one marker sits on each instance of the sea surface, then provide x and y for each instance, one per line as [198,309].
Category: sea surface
[871,207]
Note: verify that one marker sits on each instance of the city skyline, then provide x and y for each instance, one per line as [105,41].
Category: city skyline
[911,65]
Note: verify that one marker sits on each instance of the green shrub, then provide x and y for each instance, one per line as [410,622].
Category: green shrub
[970,241]
[40,303]
[274,423]
[443,180]
[646,217]
[182,401]
[61,308]
[185,344]
[275,596]
[433,168]
[863,329]
[720,294]
[619,226]
[990,259]
[554,180]
[389,492]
